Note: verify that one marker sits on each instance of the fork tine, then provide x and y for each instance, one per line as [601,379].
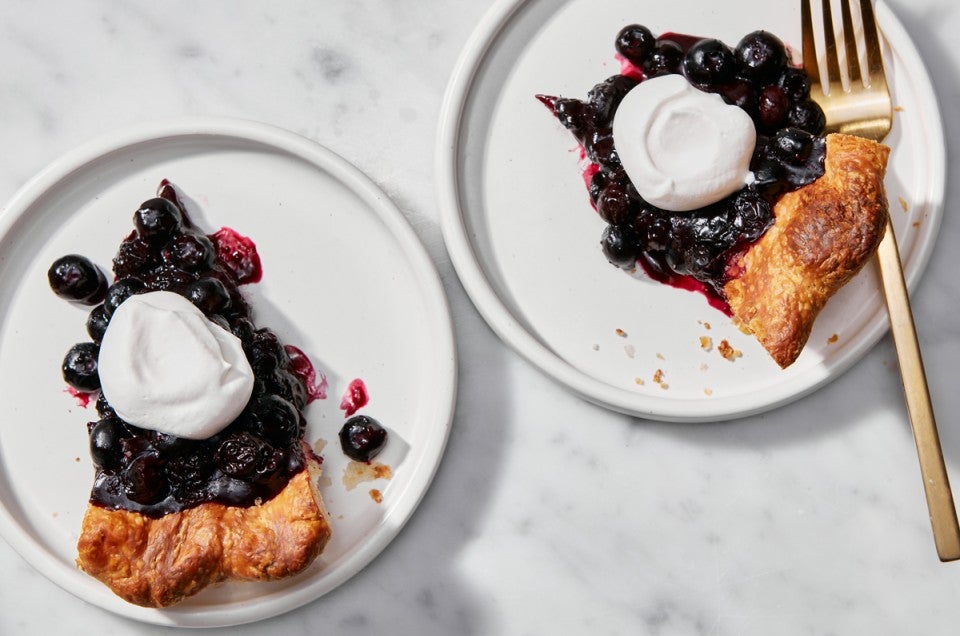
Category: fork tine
[850,43]
[830,41]
[874,55]
[810,64]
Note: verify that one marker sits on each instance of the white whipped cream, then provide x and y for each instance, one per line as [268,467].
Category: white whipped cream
[163,366]
[682,148]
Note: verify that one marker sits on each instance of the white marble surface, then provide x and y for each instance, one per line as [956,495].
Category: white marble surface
[548,515]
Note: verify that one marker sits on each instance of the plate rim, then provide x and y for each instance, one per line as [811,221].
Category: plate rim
[436,304]
[499,317]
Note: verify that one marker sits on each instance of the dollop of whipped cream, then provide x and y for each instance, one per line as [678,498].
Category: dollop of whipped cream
[163,366]
[682,148]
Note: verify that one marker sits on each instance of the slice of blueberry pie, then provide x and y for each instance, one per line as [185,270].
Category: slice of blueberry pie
[710,168]
[202,473]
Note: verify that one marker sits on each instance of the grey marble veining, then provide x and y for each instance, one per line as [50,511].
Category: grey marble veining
[548,514]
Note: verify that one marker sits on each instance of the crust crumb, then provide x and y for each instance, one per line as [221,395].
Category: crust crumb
[832,339]
[376,495]
[358,472]
[639,381]
[708,392]
[728,352]
[706,343]
[620,332]
[903,204]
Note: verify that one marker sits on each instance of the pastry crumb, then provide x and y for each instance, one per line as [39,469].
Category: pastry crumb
[630,350]
[728,352]
[898,109]
[704,366]
[358,472]
[708,392]
[903,204]
[658,377]
[916,224]
[76,459]
[639,381]
[319,445]
[706,343]
[660,356]
[832,339]
[376,495]
[620,332]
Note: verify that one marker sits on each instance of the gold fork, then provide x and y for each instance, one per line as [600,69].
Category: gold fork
[863,107]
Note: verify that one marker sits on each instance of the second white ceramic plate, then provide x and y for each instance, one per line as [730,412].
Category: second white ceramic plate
[345,279]
[525,241]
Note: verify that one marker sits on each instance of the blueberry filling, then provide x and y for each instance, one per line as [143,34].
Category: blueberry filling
[697,249]
[154,473]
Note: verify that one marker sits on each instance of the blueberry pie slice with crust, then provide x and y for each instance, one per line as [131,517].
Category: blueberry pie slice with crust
[202,473]
[709,165]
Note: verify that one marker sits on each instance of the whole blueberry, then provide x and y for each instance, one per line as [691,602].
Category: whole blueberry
[635,42]
[80,367]
[362,438]
[761,56]
[76,278]
[97,323]
[209,295]
[664,59]
[808,116]
[157,219]
[709,62]
[105,443]
[620,246]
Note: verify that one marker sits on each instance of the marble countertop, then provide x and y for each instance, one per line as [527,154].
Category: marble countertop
[548,514]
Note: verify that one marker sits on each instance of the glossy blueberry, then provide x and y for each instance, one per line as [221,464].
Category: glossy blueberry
[80,367]
[76,278]
[761,56]
[105,443]
[157,219]
[792,145]
[807,116]
[709,62]
[362,438]
[664,59]
[620,246]
[209,295]
[97,322]
[773,107]
[635,42]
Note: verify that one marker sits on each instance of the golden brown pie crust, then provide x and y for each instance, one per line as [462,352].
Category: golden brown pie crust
[158,562]
[823,234]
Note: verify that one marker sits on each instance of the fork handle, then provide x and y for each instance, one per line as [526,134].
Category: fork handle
[943,514]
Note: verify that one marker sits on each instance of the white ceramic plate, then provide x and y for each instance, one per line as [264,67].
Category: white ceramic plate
[525,242]
[345,279]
